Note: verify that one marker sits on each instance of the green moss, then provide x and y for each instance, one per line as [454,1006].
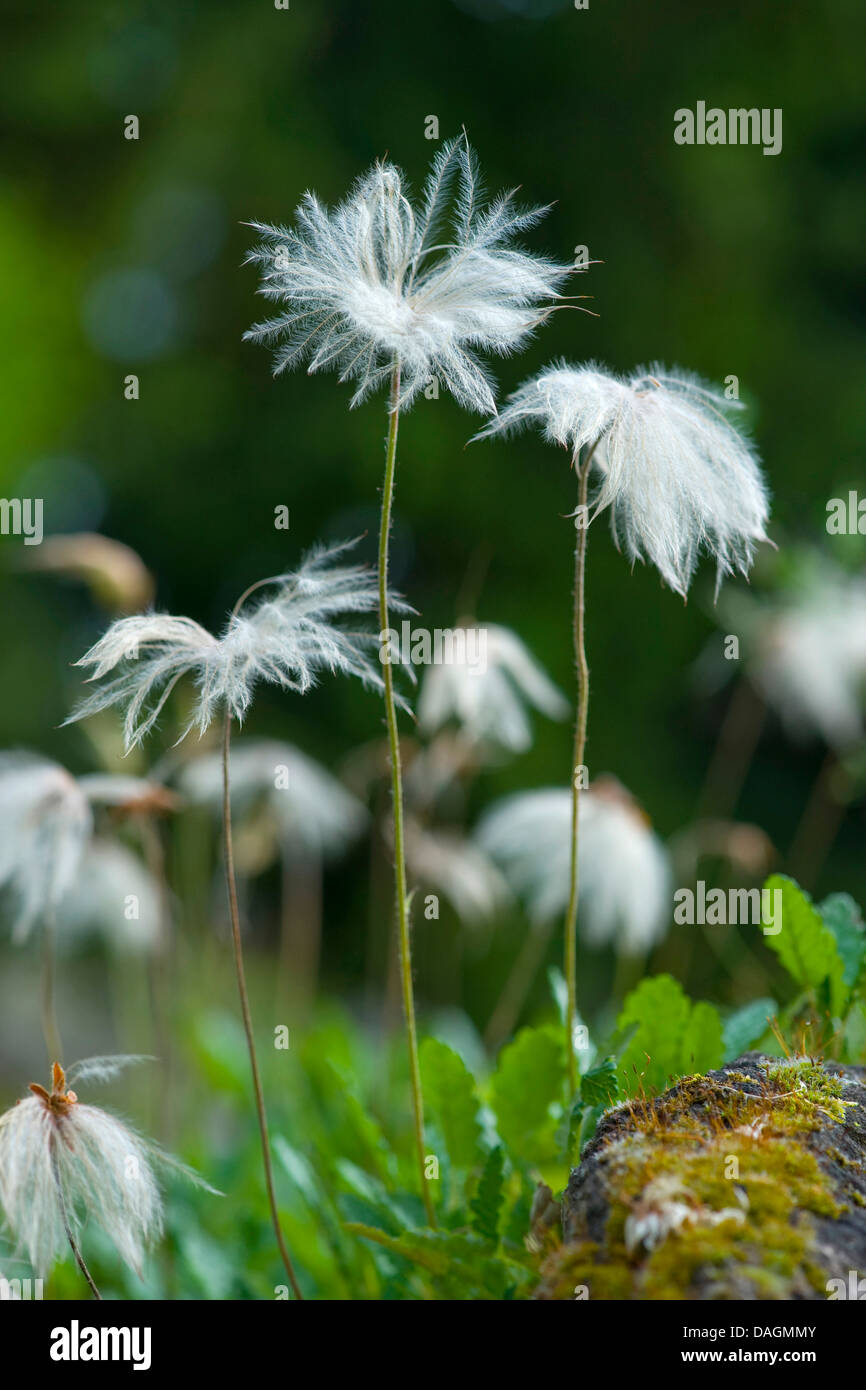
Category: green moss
[582,1265]
[724,1173]
[809,1090]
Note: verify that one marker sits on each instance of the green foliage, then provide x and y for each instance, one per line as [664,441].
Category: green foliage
[451,1100]
[673,1036]
[702,1045]
[600,1086]
[459,1266]
[805,944]
[487,1203]
[527,1083]
[842,916]
[746,1026]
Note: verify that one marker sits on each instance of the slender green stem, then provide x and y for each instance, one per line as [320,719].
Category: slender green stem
[160,969]
[582,670]
[50,1031]
[79,1258]
[397,798]
[231,885]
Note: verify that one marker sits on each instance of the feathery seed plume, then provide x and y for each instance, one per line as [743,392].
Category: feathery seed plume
[377,280]
[678,477]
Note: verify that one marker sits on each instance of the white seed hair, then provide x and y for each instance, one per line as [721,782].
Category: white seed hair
[625,877]
[313,812]
[288,639]
[678,477]
[489,700]
[102,1169]
[97,903]
[375,281]
[45,826]
[458,869]
[806,653]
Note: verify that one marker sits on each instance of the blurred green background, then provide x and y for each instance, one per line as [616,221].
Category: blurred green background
[126,257]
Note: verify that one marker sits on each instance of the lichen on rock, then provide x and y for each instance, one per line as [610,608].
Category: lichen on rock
[746,1183]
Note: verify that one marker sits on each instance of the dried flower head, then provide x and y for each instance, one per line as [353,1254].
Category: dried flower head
[488,697]
[376,281]
[126,796]
[63,1163]
[45,825]
[288,638]
[625,880]
[678,477]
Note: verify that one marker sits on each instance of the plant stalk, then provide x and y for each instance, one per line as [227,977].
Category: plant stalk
[582,671]
[397,799]
[79,1258]
[231,885]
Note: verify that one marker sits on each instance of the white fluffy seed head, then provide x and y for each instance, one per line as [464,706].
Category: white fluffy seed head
[288,638]
[489,697]
[60,1158]
[377,281]
[625,878]
[806,653]
[310,810]
[114,897]
[678,477]
[45,826]
[458,869]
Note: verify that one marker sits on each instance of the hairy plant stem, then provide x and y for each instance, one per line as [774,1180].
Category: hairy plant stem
[79,1258]
[397,798]
[50,1031]
[582,671]
[231,885]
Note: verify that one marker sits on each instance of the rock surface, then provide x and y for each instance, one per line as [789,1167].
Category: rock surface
[747,1183]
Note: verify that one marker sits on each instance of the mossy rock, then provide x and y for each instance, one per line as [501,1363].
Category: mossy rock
[746,1183]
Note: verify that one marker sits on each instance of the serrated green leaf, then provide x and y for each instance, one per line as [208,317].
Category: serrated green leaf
[840,913]
[746,1026]
[395,1209]
[451,1098]
[661,1010]
[486,1205]
[528,1079]
[702,1046]
[600,1085]
[805,946]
